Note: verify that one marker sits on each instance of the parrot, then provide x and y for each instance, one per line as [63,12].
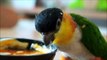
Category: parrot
[76,36]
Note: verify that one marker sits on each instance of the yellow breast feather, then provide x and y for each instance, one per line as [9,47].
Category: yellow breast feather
[66,30]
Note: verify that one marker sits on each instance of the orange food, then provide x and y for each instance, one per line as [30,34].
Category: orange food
[20,52]
[15,47]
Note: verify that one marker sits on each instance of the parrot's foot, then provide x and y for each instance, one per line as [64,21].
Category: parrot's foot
[65,58]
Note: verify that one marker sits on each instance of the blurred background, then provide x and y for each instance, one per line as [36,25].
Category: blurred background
[17,16]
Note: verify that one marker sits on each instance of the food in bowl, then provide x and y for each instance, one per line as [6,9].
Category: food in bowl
[19,52]
[30,49]
[14,47]
[9,43]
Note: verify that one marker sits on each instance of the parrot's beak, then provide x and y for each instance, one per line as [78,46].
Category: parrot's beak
[48,38]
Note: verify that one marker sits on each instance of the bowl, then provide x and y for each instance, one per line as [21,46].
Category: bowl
[45,56]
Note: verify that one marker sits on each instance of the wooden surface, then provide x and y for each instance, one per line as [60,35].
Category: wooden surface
[26,29]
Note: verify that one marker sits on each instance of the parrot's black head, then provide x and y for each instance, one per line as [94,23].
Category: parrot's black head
[48,21]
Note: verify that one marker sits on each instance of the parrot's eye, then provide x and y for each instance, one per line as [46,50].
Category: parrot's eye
[58,24]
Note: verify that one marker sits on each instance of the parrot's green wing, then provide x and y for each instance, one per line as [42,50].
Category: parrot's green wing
[91,36]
